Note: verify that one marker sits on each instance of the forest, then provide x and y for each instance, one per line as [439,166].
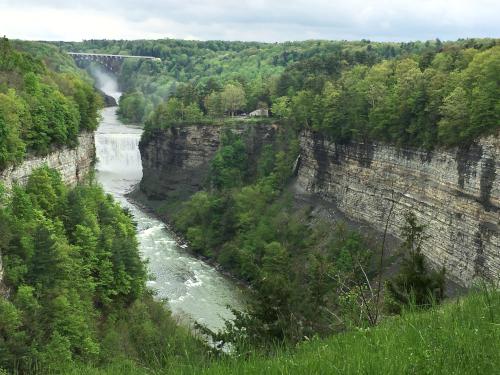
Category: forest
[76,284]
[44,103]
[307,278]
[420,94]
[73,286]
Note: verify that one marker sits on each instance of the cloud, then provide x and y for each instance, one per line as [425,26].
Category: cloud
[249,20]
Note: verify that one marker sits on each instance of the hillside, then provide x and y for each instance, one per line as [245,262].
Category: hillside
[460,337]
[423,94]
[343,114]
[45,101]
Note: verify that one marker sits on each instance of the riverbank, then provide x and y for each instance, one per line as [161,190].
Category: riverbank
[139,199]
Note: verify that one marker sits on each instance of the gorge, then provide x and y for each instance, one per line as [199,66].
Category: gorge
[455,192]
[236,204]
[195,291]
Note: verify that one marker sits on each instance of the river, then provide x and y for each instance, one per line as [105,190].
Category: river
[194,290]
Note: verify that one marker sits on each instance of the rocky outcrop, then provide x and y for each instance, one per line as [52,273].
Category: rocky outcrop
[456,193]
[176,161]
[72,163]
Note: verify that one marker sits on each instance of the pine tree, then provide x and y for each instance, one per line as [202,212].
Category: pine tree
[415,283]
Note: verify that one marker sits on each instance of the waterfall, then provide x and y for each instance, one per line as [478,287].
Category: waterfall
[119,152]
[118,158]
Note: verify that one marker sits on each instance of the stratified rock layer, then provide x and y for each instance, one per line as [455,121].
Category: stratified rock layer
[176,161]
[72,163]
[456,193]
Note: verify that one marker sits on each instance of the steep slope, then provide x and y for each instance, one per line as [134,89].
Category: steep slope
[74,164]
[456,193]
[458,338]
[176,161]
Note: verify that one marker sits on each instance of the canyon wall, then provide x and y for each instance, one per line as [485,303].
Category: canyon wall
[176,161]
[456,193]
[72,164]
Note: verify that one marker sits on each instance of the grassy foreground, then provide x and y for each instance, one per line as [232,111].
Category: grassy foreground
[460,337]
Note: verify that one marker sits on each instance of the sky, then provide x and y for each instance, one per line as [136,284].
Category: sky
[256,20]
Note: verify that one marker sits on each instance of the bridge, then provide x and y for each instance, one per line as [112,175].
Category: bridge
[112,62]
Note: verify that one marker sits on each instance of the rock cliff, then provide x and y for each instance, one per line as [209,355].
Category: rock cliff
[456,193]
[72,163]
[176,161]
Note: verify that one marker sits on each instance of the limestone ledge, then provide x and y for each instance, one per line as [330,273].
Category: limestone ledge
[72,163]
[176,161]
[455,192]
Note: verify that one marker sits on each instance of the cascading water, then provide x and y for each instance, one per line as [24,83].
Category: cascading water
[195,291]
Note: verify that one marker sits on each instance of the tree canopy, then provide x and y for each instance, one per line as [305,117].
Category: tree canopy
[420,94]
[41,106]
[77,284]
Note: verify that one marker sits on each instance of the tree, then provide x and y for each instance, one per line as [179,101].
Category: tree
[415,282]
[214,105]
[328,112]
[233,98]
[132,107]
[281,107]
[192,113]
[228,167]
[302,108]
[12,148]
[452,128]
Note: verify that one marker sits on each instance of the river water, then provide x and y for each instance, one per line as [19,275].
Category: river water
[194,290]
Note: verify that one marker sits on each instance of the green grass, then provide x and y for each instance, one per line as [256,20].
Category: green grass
[460,337]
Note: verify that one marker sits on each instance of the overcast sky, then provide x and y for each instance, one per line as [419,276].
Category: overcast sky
[277,20]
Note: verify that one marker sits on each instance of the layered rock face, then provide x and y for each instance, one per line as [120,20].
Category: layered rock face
[73,164]
[176,161]
[456,193]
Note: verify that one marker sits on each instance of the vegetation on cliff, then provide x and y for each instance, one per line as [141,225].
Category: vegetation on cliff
[41,106]
[410,94]
[443,97]
[195,69]
[306,277]
[461,337]
[76,284]
[78,300]
[78,303]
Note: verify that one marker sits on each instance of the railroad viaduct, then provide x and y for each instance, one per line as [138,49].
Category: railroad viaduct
[111,62]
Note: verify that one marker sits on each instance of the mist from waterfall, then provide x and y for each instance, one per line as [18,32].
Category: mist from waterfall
[105,81]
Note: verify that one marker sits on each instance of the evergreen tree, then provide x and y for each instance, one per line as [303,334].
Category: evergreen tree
[415,283]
